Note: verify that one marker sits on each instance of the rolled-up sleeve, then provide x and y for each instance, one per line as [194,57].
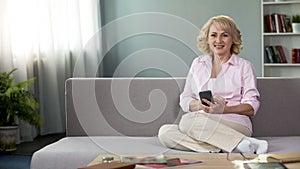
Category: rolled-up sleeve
[198,75]
[187,95]
[249,91]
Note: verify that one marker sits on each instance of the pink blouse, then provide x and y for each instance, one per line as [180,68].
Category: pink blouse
[236,83]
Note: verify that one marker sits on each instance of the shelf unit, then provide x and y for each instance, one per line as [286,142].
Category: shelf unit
[287,40]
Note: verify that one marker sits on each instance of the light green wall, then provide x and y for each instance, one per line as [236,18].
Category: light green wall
[158,37]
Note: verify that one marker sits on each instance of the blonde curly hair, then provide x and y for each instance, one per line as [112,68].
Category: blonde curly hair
[225,23]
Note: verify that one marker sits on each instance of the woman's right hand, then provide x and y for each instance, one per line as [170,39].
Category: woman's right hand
[214,108]
[195,105]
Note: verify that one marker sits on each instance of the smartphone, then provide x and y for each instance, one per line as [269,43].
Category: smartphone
[269,165]
[206,95]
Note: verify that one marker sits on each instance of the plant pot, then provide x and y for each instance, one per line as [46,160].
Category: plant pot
[296,27]
[8,137]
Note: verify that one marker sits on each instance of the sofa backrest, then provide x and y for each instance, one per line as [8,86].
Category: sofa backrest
[279,112]
[121,106]
[139,106]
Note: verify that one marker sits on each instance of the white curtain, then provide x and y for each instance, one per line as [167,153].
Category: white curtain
[44,39]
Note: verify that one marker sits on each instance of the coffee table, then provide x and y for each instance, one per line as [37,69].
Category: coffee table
[212,160]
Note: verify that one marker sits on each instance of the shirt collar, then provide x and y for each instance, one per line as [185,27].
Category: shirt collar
[233,60]
[205,59]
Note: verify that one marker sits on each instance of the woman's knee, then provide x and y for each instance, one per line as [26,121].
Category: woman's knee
[165,133]
[189,120]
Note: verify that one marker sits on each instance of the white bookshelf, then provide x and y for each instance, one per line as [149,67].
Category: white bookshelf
[287,40]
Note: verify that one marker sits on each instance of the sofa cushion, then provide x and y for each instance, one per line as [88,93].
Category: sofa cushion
[75,152]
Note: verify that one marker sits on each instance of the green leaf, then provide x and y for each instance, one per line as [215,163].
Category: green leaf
[25,83]
[17,102]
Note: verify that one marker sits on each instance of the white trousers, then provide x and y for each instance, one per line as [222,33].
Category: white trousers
[202,132]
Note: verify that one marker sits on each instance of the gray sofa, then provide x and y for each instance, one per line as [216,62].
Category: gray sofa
[122,116]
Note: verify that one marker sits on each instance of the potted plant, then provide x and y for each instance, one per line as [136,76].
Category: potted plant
[296,23]
[15,102]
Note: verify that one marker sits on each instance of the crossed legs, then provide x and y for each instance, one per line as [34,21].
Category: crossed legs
[202,132]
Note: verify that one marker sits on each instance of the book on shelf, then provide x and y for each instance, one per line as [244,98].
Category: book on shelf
[278,26]
[280,50]
[276,22]
[288,23]
[275,54]
[269,24]
[296,55]
[269,55]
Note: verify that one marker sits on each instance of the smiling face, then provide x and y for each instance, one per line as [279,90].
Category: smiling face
[220,41]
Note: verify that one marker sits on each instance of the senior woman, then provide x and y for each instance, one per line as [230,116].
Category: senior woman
[223,124]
